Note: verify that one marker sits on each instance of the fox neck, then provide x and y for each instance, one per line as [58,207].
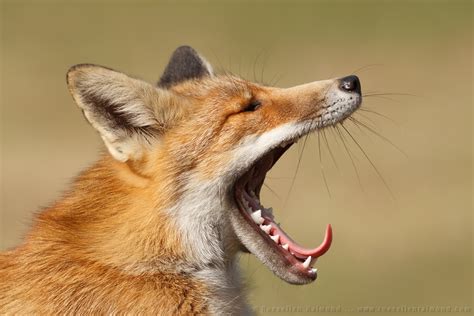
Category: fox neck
[143,227]
[201,218]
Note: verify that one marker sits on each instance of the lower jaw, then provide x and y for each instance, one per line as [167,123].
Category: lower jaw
[281,265]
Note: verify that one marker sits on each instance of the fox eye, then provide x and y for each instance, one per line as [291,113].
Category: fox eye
[252,106]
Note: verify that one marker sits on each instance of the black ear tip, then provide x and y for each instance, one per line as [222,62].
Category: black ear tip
[185,48]
[185,63]
[185,51]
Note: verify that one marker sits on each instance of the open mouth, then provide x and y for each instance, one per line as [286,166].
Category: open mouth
[295,257]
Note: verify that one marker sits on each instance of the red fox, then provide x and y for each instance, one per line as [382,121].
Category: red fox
[155,226]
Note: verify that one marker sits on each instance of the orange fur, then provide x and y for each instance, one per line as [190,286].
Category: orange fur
[111,245]
[98,252]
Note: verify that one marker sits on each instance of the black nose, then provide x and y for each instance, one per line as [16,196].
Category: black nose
[350,84]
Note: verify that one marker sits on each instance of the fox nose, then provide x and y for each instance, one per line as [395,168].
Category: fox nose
[350,84]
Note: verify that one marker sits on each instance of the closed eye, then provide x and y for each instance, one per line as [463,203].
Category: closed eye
[252,106]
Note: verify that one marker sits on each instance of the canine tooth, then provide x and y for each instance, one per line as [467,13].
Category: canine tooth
[307,262]
[314,270]
[266,228]
[285,246]
[257,217]
[275,238]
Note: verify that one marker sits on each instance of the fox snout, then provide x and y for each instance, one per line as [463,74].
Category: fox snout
[341,100]
[321,103]
[348,99]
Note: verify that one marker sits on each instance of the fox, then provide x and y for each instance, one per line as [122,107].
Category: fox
[156,224]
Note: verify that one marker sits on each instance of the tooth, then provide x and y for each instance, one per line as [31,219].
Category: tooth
[285,246]
[307,262]
[275,238]
[257,217]
[266,228]
[313,270]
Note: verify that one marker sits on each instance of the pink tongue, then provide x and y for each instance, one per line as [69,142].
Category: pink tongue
[302,252]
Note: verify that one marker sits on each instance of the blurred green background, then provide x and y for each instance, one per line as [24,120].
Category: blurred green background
[404,244]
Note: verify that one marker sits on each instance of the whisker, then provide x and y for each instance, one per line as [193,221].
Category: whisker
[230,63]
[356,121]
[335,136]
[262,72]
[371,92]
[277,178]
[378,114]
[390,93]
[255,64]
[296,171]
[240,66]
[272,191]
[329,148]
[275,79]
[350,156]
[220,66]
[366,67]
[380,97]
[322,167]
[370,161]
[364,116]
[357,125]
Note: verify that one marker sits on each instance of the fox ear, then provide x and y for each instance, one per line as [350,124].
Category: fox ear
[125,111]
[184,64]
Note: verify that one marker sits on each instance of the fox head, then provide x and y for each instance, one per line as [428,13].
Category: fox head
[205,142]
